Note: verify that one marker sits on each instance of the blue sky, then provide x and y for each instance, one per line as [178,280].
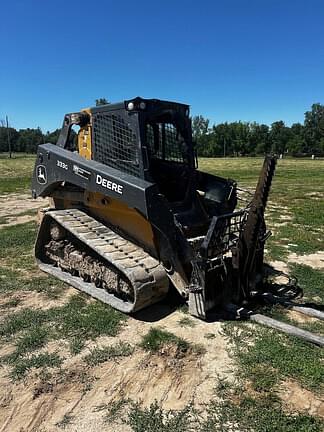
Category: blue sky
[230,60]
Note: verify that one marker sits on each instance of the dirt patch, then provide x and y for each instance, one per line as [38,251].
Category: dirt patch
[280,266]
[285,217]
[315,195]
[16,220]
[278,224]
[278,207]
[314,260]
[297,399]
[300,317]
[16,204]
[38,300]
[172,379]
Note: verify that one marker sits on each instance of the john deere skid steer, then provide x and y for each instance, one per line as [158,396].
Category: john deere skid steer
[132,217]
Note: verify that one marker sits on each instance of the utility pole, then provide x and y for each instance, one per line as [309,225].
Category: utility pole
[224,147]
[8,137]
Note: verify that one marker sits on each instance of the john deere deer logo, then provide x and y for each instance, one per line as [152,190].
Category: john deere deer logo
[41,174]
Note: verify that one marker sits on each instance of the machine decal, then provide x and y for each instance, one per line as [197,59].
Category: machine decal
[81,172]
[109,184]
[62,164]
[41,174]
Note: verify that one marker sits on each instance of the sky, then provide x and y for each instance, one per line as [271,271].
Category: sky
[230,60]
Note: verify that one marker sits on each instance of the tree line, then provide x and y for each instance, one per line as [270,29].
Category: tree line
[229,139]
[27,140]
[251,138]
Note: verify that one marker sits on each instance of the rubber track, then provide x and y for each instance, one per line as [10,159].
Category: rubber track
[145,273]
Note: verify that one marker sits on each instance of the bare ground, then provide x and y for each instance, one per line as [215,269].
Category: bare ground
[314,260]
[14,206]
[143,377]
[298,399]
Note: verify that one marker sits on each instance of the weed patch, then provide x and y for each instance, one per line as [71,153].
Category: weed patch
[186,322]
[76,345]
[154,419]
[22,320]
[35,338]
[156,338]
[255,414]
[43,360]
[66,421]
[12,303]
[101,355]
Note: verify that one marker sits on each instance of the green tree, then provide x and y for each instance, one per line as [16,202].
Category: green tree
[29,140]
[314,128]
[13,134]
[296,142]
[259,142]
[279,136]
[52,137]
[199,126]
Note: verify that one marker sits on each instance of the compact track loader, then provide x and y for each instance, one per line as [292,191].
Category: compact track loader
[132,217]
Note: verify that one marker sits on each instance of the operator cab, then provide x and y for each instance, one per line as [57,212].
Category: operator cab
[148,138]
[152,140]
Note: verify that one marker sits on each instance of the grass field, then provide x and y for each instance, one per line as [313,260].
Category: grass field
[71,362]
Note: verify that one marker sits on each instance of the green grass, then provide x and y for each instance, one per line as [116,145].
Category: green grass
[101,355]
[44,360]
[294,181]
[153,419]
[15,239]
[77,321]
[311,280]
[236,411]
[275,251]
[265,357]
[24,319]
[281,313]
[114,410]
[88,320]
[15,184]
[306,240]
[186,322]
[156,338]
[255,414]
[12,303]
[16,174]
[66,421]
[34,338]
[29,329]
[53,288]
[76,345]
[77,318]
[17,243]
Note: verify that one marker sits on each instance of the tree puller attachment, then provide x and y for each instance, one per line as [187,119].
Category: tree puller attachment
[132,217]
